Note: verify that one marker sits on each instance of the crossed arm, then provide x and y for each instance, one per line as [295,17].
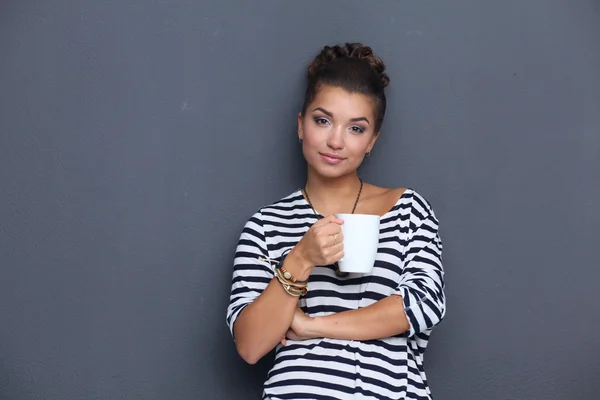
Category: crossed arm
[382,319]
[417,303]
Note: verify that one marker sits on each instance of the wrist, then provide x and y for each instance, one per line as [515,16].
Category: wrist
[296,261]
[314,327]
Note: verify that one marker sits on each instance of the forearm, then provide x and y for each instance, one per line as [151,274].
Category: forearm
[262,324]
[382,319]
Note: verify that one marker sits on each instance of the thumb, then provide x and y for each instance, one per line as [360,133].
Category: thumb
[332,218]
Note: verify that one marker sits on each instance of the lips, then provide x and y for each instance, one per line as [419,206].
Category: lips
[331,159]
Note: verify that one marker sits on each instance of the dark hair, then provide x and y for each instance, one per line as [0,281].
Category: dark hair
[353,67]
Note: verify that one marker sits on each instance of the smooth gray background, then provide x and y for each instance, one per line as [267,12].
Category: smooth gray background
[138,137]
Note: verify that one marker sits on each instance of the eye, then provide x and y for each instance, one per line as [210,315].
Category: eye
[357,129]
[321,121]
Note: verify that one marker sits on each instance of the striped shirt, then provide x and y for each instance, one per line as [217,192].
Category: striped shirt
[408,263]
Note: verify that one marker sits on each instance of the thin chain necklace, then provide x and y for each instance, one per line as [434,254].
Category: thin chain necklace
[353,208]
[337,269]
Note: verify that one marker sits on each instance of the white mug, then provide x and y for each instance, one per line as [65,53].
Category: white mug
[361,241]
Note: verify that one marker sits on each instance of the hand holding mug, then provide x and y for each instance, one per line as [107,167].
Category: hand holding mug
[322,243]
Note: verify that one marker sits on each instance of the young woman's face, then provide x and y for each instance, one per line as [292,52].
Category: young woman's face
[337,131]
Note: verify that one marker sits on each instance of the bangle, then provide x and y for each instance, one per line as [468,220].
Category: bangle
[292,288]
[282,277]
[293,291]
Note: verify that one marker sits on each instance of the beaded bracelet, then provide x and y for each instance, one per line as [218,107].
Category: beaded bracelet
[287,275]
[292,288]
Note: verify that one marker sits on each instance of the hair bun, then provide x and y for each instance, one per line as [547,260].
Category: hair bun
[356,51]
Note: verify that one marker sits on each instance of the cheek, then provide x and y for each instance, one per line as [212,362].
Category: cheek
[358,145]
[312,136]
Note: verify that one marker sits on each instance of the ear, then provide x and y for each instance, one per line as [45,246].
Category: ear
[372,142]
[300,128]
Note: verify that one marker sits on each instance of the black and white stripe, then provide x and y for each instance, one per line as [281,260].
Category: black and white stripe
[409,264]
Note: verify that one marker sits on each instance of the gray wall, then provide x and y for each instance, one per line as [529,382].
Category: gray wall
[138,137]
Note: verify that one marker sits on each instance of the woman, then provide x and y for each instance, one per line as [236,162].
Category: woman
[337,336]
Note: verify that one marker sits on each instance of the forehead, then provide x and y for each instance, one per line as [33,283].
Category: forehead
[343,104]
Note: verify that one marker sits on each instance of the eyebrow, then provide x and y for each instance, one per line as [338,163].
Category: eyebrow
[328,113]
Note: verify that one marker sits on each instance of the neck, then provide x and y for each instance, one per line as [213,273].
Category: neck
[330,195]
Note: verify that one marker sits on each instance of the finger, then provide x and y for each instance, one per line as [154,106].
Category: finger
[337,256]
[327,220]
[333,254]
[329,229]
[289,335]
[333,250]
[324,242]
[334,218]
[334,240]
[338,221]
[283,341]
[338,238]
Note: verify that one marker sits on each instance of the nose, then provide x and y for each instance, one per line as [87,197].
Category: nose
[336,139]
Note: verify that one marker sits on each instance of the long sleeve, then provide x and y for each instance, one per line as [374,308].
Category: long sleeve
[251,272]
[422,281]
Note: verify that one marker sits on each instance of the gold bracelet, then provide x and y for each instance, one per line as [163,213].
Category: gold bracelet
[288,275]
[281,274]
[292,289]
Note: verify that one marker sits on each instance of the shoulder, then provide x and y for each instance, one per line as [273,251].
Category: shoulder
[420,214]
[408,203]
[283,205]
[419,204]
[269,218]
[291,201]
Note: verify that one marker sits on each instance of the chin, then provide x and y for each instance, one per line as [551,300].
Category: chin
[330,175]
[331,172]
